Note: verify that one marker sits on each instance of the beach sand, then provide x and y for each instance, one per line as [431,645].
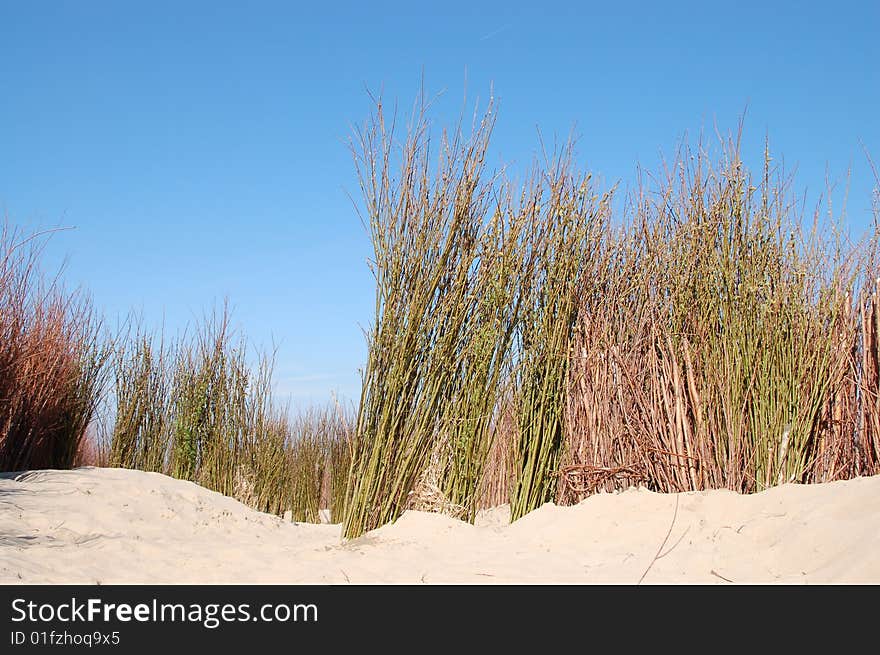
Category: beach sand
[110,526]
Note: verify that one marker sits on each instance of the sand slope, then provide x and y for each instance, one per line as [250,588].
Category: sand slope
[119,526]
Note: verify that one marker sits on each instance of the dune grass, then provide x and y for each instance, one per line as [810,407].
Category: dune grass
[319,460]
[571,219]
[718,351]
[532,341]
[426,230]
[52,360]
[196,408]
[699,332]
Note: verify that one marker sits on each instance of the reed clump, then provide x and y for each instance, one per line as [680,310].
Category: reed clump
[337,466]
[187,409]
[196,408]
[143,385]
[572,221]
[427,230]
[496,302]
[532,341]
[319,459]
[52,360]
[729,368]
[700,332]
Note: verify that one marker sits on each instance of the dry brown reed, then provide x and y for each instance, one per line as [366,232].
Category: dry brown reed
[716,348]
[51,360]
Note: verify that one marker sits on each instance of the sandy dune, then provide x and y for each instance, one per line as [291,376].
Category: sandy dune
[119,526]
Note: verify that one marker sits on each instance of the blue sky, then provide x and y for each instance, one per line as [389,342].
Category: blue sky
[199,149]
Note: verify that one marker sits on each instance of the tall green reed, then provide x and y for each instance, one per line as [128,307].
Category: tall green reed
[572,220]
[426,231]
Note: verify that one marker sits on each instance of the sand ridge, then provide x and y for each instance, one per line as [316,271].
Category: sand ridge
[108,526]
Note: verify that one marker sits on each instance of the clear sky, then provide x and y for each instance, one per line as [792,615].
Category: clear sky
[199,148]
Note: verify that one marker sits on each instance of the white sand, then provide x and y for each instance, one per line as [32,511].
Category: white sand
[118,526]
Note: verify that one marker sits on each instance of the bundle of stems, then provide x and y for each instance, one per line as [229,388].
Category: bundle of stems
[209,407]
[307,462]
[499,469]
[720,356]
[485,360]
[142,393]
[52,360]
[261,461]
[571,221]
[196,409]
[319,444]
[864,380]
[426,238]
[339,424]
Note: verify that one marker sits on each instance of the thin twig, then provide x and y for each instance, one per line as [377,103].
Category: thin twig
[665,539]
[675,544]
[718,575]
